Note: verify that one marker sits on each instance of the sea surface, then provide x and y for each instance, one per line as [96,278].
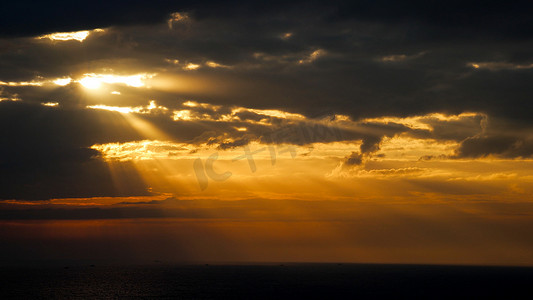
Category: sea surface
[271,281]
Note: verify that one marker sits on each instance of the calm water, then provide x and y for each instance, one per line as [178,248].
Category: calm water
[328,281]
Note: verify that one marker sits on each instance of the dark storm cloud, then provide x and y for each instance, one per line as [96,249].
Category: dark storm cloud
[279,131]
[358,58]
[354,159]
[506,146]
[30,18]
[448,18]
[168,208]
[454,129]
[45,153]
[350,77]
[471,17]
[251,210]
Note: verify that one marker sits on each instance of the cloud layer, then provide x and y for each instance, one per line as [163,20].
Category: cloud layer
[213,75]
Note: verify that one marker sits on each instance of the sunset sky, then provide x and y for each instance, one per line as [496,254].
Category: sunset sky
[209,131]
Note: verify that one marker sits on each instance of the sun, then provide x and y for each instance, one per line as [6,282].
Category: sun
[90,83]
[95,81]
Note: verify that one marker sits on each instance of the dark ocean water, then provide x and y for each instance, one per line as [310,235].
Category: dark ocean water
[288,281]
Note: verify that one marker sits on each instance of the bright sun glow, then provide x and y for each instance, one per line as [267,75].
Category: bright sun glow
[273,113]
[22,83]
[95,81]
[79,36]
[129,109]
[191,66]
[120,109]
[63,81]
